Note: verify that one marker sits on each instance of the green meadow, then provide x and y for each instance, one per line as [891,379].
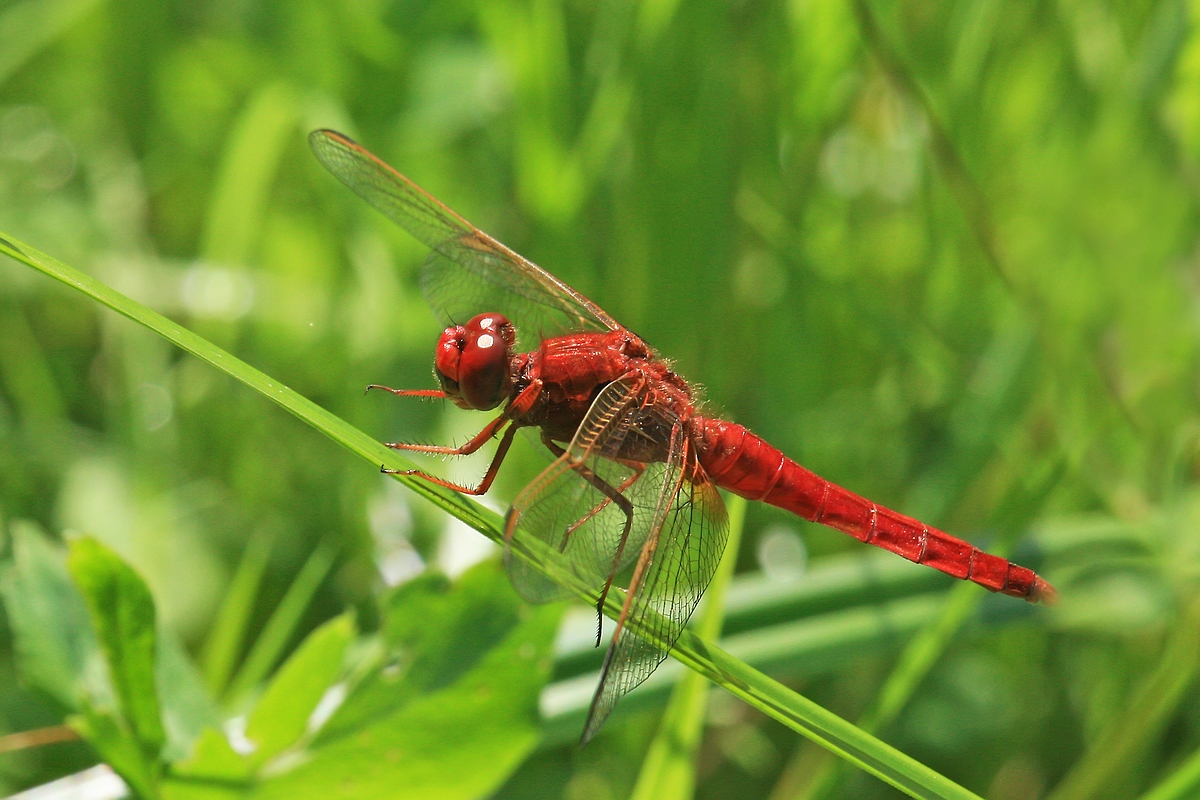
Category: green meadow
[946,255]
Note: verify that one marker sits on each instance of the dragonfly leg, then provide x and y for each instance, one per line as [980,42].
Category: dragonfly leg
[637,467]
[520,404]
[611,495]
[483,486]
[467,449]
[523,402]
[409,392]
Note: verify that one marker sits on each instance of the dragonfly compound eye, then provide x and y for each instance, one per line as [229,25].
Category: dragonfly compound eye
[483,365]
[447,360]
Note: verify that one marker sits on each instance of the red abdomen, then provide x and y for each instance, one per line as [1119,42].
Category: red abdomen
[745,464]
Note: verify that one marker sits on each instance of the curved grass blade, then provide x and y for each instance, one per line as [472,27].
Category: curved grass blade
[763,693]
[283,623]
[928,645]
[1180,784]
[669,769]
[1143,720]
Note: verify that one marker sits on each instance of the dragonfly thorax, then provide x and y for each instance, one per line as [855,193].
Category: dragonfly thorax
[472,361]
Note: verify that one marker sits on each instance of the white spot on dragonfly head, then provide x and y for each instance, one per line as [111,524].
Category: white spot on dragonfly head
[485,341]
[487,322]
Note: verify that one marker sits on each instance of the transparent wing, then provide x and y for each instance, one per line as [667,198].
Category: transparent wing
[469,272]
[677,562]
[571,507]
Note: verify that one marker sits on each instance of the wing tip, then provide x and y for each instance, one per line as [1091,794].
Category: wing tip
[597,710]
[593,723]
[329,133]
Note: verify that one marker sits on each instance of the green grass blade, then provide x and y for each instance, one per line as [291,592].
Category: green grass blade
[669,769]
[228,633]
[252,154]
[25,28]
[763,693]
[332,426]
[923,652]
[29,379]
[1142,721]
[282,625]
[1180,784]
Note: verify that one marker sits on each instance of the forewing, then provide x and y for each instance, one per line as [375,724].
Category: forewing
[469,272]
[681,555]
[565,510]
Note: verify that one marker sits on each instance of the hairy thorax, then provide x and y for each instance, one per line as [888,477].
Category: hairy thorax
[573,369]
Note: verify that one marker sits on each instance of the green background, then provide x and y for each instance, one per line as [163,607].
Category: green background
[943,254]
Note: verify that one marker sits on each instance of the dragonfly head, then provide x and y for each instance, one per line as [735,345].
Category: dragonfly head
[473,360]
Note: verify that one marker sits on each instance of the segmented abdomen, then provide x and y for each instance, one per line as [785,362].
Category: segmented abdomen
[745,464]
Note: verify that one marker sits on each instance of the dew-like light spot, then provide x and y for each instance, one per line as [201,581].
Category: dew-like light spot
[485,341]
[781,553]
[217,292]
[330,702]
[157,406]
[235,733]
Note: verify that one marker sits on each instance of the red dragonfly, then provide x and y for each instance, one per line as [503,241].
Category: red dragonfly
[636,467]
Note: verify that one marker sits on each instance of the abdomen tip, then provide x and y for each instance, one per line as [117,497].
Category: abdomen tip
[1042,592]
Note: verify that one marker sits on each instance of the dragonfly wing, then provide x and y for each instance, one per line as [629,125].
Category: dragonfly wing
[470,272]
[459,281]
[677,562]
[568,513]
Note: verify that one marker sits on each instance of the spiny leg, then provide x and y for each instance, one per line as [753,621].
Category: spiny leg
[519,405]
[467,449]
[436,393]
[483,486]
[612,495]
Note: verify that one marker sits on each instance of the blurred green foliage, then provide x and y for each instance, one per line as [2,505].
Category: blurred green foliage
[944,254]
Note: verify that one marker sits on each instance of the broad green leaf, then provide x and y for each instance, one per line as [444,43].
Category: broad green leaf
[59,652]
[213,759]
[669,769]
[213,771]
[433,631]
[120,749]
[122,613]
[55,646]
[186,789]
[280,717]
[444,634]
[459,743]
[187,708]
